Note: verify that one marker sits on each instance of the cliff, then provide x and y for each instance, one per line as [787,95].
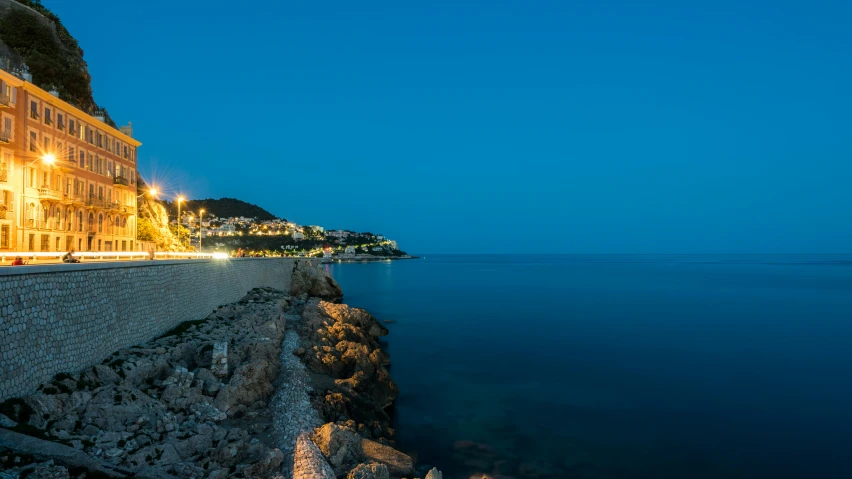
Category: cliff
[154,226]
[33,39]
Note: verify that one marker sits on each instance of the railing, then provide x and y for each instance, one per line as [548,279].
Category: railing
[5,136]
[5,100]
[34,115]
[60,126]
[73,199]
[112,205]
[120,180]
[49,194]
[96,202]
[48,121]
[4,175]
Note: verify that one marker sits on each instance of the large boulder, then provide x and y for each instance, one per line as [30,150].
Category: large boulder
[310,278]
[369,471]
[250,383]
[340,445]
[398,464]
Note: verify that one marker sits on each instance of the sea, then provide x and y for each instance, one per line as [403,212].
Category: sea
[617,366]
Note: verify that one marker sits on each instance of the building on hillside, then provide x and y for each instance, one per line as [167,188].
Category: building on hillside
[227,229]
[298,236]
[349,250]
[67,179]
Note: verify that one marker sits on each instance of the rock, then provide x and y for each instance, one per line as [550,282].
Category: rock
[369,471]
[219,360]
[299,352]
[250,383]
[434,473]
[6,422]
[309,277]
[341,446]
[209,380]
[397,462]
[269,462]
[168,456]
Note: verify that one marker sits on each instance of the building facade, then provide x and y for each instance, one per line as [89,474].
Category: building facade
[67,179]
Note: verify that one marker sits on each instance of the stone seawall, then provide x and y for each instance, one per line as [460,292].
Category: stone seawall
[60,318]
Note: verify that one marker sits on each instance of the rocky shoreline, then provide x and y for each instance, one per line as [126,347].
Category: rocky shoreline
[277,385]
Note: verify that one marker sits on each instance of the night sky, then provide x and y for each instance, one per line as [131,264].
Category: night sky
[493,126]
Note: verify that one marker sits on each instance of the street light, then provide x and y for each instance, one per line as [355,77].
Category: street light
[179,201]
[200,228]
[48,159]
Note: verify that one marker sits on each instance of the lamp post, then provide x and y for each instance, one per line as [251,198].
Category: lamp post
[179,201]
[200,228]
[48,159]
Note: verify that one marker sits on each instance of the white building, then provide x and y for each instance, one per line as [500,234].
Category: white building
[349,250]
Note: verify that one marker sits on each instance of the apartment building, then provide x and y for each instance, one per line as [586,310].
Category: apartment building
[67,179]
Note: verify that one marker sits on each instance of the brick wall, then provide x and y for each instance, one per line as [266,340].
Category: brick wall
[66,317]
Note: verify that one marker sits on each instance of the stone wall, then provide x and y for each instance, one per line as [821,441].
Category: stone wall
[65,317]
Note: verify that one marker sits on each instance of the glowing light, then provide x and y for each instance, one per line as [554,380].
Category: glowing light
[152,191]
[220,255]
[48,159]
[180,199]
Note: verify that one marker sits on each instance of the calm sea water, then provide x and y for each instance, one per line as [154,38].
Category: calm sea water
[619,366]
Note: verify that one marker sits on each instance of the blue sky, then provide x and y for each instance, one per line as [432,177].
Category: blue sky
[474,126]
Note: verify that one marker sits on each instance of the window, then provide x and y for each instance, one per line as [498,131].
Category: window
[4,236]
[45,242]
[60,121]
[71,156]
[33,141]
[34,110]
[72,129]
[82,159]
[57,243]
[48,119]
[100,224]
[100,140]
[125,151]
[31,242]
[9,127]
[46,143]
[89,162]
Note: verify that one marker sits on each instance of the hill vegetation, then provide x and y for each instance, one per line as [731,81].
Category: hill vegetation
[222,208]
[52,55]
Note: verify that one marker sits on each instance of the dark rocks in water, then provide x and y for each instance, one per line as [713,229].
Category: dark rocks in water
[342,344]
[310,278]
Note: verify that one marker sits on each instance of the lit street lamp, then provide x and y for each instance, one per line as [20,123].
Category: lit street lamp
[200,228]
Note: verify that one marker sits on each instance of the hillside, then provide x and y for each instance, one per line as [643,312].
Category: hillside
[32,38]
[223,208]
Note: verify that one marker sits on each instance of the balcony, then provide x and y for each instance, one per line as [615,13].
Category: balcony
[49,195]
[5,136]
[76,200]
[120,182]
[5,101]
[92,202]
